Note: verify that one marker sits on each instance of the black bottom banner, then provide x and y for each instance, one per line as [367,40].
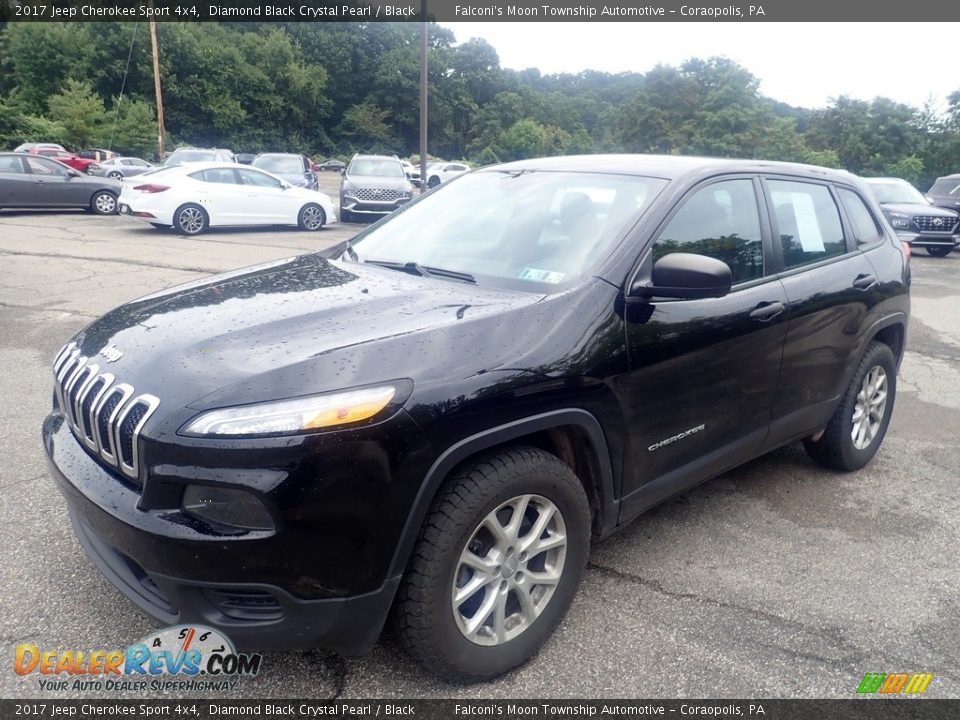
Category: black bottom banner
[854,709]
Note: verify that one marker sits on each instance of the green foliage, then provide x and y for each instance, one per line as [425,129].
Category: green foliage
[524,139]
[79,111]
[331,88]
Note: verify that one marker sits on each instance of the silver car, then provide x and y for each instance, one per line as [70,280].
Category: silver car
[373,186]
[121,167]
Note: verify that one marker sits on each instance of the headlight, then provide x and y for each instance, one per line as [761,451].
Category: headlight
[286,417]
[899,221]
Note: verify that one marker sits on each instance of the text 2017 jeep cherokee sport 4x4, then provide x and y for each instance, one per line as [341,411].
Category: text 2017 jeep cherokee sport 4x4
[439,416]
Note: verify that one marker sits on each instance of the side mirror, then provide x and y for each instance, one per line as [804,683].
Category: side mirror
[343,171]
[686,276]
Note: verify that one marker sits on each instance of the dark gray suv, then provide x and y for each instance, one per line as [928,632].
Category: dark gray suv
[373,186]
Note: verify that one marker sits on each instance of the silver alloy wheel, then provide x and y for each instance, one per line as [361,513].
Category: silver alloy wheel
[190,220]
[115,175]
[106,203]
[312,217]
[509,570]
[869,408]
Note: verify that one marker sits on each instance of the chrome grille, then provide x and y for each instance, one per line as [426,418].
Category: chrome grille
[376,194]
[934,223]
[105,417]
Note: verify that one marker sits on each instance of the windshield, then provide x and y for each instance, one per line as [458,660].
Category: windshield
[524,230]
[378,167]
[188,156]
[895,191]
[288,164]
[946,186]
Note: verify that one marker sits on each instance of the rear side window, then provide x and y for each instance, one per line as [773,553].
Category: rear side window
[865,228]
[222,176]
[10,164]
[808,222]
[722,222]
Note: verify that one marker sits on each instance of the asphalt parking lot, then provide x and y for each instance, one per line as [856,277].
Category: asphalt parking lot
[779,579]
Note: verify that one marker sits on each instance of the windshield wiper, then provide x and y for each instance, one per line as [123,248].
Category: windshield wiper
[351,253]
[423,270]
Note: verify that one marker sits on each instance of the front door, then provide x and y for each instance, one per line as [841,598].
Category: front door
[703,372]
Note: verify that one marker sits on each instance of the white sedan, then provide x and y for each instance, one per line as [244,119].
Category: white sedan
[439,172]
[194,197]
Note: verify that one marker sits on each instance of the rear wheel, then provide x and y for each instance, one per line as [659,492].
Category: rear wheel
[496,566]
[311,217]
[938,251]
[114,175]
[191,219]
[433,182]
[856,430]
[104,203]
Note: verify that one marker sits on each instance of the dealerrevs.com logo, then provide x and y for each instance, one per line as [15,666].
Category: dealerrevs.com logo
[179,658]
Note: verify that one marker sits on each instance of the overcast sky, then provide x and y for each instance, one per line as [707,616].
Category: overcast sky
[804,64]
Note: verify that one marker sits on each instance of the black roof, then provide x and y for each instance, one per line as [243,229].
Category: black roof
[668,167]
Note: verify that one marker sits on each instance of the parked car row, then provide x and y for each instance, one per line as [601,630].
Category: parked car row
[189,197]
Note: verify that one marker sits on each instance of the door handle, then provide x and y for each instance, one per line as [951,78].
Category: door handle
[864,282]
[766,311]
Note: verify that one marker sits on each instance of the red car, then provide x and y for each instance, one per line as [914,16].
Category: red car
[67,158]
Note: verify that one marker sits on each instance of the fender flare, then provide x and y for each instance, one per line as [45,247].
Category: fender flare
[460,451]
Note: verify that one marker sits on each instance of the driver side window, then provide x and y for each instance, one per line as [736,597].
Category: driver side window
[42,166]
[720,221]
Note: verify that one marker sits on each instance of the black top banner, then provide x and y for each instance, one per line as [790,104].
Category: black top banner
[864,709]
[478,11]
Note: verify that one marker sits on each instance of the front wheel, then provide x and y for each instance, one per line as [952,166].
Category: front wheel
[104,203]
[311,217]
[190,219]
[939,251]
[856,430]
[496,566]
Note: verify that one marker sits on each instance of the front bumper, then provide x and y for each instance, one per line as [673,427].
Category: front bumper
[178,574]
[928,240]
[358,207]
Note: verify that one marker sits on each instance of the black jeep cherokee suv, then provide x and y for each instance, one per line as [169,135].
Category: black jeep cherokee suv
[439,416]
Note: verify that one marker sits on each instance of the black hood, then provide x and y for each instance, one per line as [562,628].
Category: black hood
[301,326]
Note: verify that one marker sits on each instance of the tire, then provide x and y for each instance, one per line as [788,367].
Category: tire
[435,630]
[311,217]
[938,251]
[433,182]
[846,445]
[103,203]
[114,175]
[191,219]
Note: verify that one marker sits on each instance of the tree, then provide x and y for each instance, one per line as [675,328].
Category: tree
[79,111]
[365,127]
[523,139]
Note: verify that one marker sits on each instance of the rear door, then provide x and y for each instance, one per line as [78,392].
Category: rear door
[16,186]
[831,288]
[703,372]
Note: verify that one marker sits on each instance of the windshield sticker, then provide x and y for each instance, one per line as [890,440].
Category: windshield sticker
[547,276]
